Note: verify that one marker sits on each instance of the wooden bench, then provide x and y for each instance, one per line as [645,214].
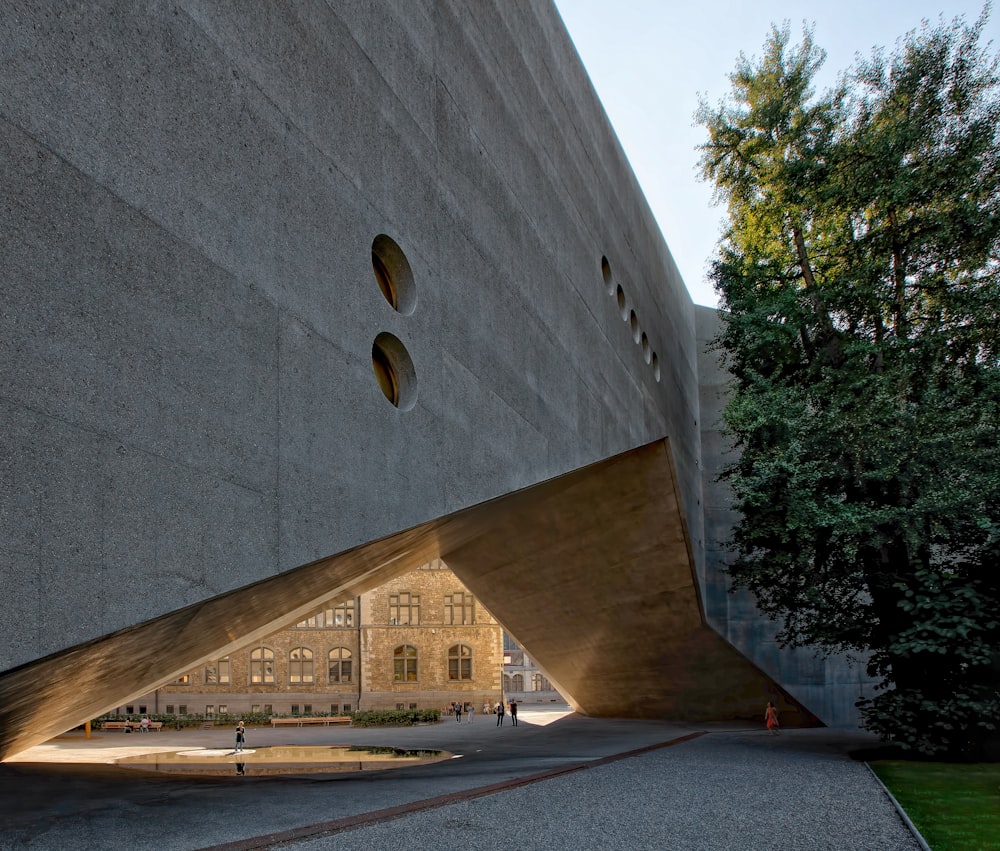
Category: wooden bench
[131,726]
[325,720]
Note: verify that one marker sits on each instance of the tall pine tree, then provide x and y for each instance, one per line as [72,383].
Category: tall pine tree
[860,283]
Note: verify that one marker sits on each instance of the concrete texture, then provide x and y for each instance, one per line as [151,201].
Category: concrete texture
[192,193]
[552,782]
[615,618]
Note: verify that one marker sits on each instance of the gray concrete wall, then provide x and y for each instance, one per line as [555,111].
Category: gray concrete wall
[191,192]
[828,686]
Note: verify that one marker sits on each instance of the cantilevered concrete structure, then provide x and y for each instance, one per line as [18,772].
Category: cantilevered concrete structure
[297,296]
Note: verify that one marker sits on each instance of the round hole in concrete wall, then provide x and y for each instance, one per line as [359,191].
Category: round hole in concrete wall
[633,322]
[606,274]
[656,367]
[644,342]
[393,274]
[622,304]
[394,371]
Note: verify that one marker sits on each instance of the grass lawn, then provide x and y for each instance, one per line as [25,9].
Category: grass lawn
[955,806]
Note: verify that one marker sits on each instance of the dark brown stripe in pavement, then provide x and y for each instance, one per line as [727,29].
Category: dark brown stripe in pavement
[327,828]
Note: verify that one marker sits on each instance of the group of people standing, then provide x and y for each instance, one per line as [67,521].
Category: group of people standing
[499,710]
[458,709]
[469,710]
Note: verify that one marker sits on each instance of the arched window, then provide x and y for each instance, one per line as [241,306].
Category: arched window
[506,683]
[517,682]
[339,665]
[404,664]
[262,665]
[300,665]
[460,662]
[539,683]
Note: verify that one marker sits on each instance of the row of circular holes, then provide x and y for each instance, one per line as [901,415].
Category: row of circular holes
[391,361]
[629,316]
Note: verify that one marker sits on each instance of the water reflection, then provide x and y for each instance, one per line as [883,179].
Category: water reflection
[286,759]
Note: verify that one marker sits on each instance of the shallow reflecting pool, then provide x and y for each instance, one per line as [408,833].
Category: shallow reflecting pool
[286,759]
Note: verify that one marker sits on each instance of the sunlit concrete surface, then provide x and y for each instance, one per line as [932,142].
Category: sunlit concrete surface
[603,553]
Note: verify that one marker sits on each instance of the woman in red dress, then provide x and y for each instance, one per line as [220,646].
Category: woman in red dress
[771,717]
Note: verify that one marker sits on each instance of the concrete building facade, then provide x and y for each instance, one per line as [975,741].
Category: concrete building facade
[300,297]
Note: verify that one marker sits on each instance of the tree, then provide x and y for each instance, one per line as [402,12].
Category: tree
[859,279]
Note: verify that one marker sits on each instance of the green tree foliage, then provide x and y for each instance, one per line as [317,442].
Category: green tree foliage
[860,282]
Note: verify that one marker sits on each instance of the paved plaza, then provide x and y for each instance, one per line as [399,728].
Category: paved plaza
[556,781]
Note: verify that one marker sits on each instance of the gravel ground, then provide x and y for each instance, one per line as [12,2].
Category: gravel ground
[721,791]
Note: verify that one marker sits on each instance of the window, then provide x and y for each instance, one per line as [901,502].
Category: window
[404,608]
[460,662]
[342,615]
[170,709]
[268,709]
[307,709]
[404,664]
[399,706]
[300,665]
[295,709]
[347,709]
[517,682]
[506,683]
[539,683]
[183,680]
[210,710]
[142,709]
[459,608]
[129,710]
[255,708]
[262,665]
[413,706]
[217,672]
[339,665]
[182,709]
[223,708]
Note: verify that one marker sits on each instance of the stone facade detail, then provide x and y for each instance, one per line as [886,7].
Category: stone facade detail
[360,632]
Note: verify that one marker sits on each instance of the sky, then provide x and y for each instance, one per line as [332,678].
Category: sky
[649,60]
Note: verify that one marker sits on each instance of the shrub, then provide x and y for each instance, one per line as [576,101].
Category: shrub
[395,717]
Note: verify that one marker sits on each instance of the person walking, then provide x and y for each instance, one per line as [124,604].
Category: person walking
[240,737]
[771,717]
[513,712]
[472,712]
[458,712]
[500,714]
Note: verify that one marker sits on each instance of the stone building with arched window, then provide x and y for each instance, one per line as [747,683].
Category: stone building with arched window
[420,641]
[522,680]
